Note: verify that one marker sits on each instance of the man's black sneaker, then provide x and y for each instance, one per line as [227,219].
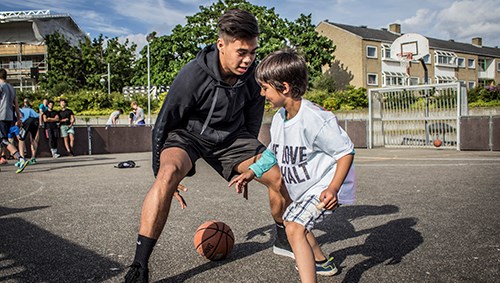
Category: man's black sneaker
[283,248]
[281,245]
[137,274]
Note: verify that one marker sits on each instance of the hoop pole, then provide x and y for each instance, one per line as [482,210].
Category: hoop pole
[426,73]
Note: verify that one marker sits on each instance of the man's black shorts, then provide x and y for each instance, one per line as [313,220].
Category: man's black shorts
[222,157]
[30,126]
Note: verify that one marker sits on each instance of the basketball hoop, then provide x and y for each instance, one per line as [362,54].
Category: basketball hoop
[405,60]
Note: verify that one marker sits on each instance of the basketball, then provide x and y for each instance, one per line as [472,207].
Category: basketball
[214,240]
[437,142]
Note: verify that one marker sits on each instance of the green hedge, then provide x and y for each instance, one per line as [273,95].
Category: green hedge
[93,102]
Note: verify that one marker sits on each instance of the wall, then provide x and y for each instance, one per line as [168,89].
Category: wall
[480,133]
[138,139]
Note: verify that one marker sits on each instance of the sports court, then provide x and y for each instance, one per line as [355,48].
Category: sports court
[422,215]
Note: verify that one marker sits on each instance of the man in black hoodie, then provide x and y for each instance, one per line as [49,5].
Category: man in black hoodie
[213,111]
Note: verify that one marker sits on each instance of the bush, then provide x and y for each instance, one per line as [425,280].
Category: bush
[484,94]
[92,102]
[349,99]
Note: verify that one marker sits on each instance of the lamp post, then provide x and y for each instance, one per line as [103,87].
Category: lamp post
[103,80]
[149,85]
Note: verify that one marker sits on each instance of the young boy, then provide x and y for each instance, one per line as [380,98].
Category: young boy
[313,153]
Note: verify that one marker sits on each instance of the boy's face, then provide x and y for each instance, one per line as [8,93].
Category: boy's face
[236,55]
[62,103]
[50,106]
[276,98]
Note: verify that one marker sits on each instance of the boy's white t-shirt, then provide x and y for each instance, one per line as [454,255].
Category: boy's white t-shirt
[307,148]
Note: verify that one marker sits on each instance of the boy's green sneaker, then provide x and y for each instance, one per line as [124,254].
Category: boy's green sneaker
[326,269]
[22,165]
[32,161]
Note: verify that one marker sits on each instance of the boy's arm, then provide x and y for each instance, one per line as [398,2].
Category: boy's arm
[329,195]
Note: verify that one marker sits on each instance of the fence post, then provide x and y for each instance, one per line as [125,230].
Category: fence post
[89,136]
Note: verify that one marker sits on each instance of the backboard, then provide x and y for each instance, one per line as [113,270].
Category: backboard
[410,45]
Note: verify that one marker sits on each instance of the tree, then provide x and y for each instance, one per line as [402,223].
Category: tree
[64,62]
[169,53]
[73,68]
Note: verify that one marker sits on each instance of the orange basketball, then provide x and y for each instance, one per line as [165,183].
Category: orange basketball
[437,143]
[214,240]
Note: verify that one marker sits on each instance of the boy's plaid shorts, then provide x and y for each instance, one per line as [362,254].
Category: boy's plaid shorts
[305,212]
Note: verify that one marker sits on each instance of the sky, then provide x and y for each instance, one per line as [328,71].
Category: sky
[134,19]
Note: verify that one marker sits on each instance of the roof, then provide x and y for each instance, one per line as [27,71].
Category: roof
[32,27]
[387,36]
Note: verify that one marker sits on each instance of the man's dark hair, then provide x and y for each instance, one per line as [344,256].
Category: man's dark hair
[284,66]
[3,74]
[237,24]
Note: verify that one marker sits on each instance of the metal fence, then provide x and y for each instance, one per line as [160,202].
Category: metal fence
[415,116]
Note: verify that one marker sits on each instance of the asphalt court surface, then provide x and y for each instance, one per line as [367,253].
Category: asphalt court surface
[422,215]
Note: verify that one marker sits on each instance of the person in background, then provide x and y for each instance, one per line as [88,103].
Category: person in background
[41,109]
[66,124]
[51,120]
[113,119]
[30,120]
[139,114]
[9,114]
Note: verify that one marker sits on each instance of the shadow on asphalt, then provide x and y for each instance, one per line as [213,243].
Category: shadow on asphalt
[388,242]
[31,254]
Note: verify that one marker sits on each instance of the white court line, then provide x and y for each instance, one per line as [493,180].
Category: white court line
[425,165]
[30,194]
[429,158]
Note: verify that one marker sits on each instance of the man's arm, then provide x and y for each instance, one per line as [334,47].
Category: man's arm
[254,113]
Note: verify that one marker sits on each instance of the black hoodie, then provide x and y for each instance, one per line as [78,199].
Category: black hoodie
[202,103]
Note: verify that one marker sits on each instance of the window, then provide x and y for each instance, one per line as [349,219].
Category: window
[371,52]
[471,64]
[445,79]
[386,51]
[445,58]
[481,64]
[393,79]
[427,59]
[498,66]
[372,79]
[414,81]
[461,62]
[471,84]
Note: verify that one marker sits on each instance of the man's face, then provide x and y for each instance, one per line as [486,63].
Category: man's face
[236,55]
[50,105]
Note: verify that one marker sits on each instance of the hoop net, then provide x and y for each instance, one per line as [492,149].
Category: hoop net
[405,60]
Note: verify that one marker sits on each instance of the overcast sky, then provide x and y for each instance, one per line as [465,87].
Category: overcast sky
[134,19]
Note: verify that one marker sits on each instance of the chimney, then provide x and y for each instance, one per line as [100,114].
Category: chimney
[478,41]
[395,28]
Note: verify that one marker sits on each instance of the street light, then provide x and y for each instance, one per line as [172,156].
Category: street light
[103,80]
[148,39]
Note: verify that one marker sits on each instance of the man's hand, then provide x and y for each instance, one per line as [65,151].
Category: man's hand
[329,199]
[178,196]
[241,182]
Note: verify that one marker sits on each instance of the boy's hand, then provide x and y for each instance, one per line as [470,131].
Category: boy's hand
[241,182]
[329,199]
